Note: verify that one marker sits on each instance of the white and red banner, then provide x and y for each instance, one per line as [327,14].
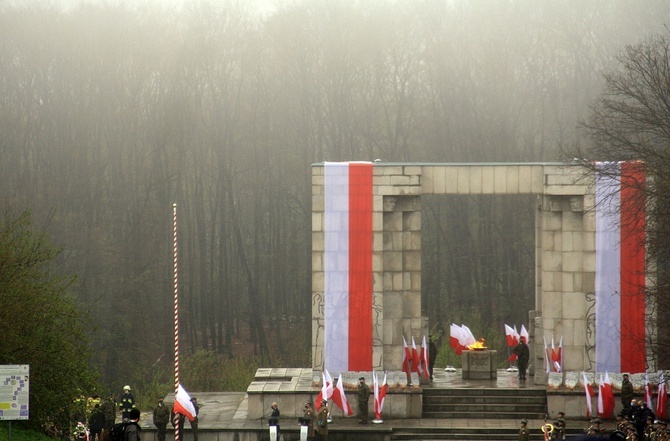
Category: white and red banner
[460,337]
[183,405]
[348,266]
[620,267]
[379,394]
[326,389]
[588,390]
[605,397]
[425,360]
[648,392]
[511,336]
[557,355]
[406,357]
[524,333]
[455,338]
[340,399]
[662,398]
[416,362]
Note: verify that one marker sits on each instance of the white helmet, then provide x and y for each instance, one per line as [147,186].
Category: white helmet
[126,387]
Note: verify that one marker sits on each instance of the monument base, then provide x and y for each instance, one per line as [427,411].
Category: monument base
[479,365]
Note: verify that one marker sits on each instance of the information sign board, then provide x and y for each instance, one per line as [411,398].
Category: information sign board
[14,391]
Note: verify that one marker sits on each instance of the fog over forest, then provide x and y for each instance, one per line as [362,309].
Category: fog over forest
[110,112]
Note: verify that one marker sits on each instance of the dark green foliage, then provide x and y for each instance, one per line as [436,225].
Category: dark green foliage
[21,433]
[40,324]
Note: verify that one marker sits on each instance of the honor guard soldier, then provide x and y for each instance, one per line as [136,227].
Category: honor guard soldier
[523,431]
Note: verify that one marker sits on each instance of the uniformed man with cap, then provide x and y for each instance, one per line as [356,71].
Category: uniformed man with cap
[161,416]
[662,431]
[523,431]
[595,429]
[321,429]
[363,397]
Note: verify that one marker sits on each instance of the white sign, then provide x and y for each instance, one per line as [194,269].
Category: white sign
[14,381]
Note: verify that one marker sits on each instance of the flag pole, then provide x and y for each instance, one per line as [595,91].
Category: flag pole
[177,435]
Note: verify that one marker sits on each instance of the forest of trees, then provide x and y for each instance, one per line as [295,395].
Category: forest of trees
[110,113]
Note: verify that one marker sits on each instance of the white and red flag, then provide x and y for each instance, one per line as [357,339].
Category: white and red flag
[556,355]
[662,398]
[379,394]
[406,356]
[510,337]
[416,362]
[547,355]
[455,338]
[524,333]
[326,389]
[605,397]
[183,404]
[425,358]
[588,390]
[347,264]
[620,267]
[517,337]
[648,393]
[468,337]
[340,399]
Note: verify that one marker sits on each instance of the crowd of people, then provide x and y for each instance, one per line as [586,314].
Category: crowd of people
[94,418]
[639,423]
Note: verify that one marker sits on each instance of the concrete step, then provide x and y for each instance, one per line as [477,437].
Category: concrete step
[484,403]
[469,434]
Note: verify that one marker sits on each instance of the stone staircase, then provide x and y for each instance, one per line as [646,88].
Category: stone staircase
[483,403]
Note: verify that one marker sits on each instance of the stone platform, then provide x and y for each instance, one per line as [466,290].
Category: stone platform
[226,416]
[479,365]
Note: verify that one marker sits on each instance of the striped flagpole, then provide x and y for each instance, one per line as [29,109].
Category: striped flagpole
[177,435]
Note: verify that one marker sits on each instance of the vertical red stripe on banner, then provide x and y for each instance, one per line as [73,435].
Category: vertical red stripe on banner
[633,351]
[360,267]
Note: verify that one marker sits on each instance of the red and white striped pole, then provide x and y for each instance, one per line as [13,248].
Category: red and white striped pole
[177,435]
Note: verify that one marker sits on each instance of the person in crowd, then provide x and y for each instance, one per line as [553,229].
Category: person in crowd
[273,420]
[161,416]
[92,401]
[133,431]
[194,423]
[308,419]
[524,435]
[321,430]
[363,394]
[127,403]
[109,410]
[523,356]
[96,423]
[626,392]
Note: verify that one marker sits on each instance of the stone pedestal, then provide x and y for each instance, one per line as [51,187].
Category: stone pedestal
[479,365]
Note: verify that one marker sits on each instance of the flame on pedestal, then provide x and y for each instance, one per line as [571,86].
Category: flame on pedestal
[478,345]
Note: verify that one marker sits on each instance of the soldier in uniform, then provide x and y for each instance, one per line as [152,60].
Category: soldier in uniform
[626,392]
[559,427]
[662,432]
[621,421]
[595,429]
[161,417]
[308,419]
[363,397]
[523,356]
[322,422]
[649,429]
[523,431]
